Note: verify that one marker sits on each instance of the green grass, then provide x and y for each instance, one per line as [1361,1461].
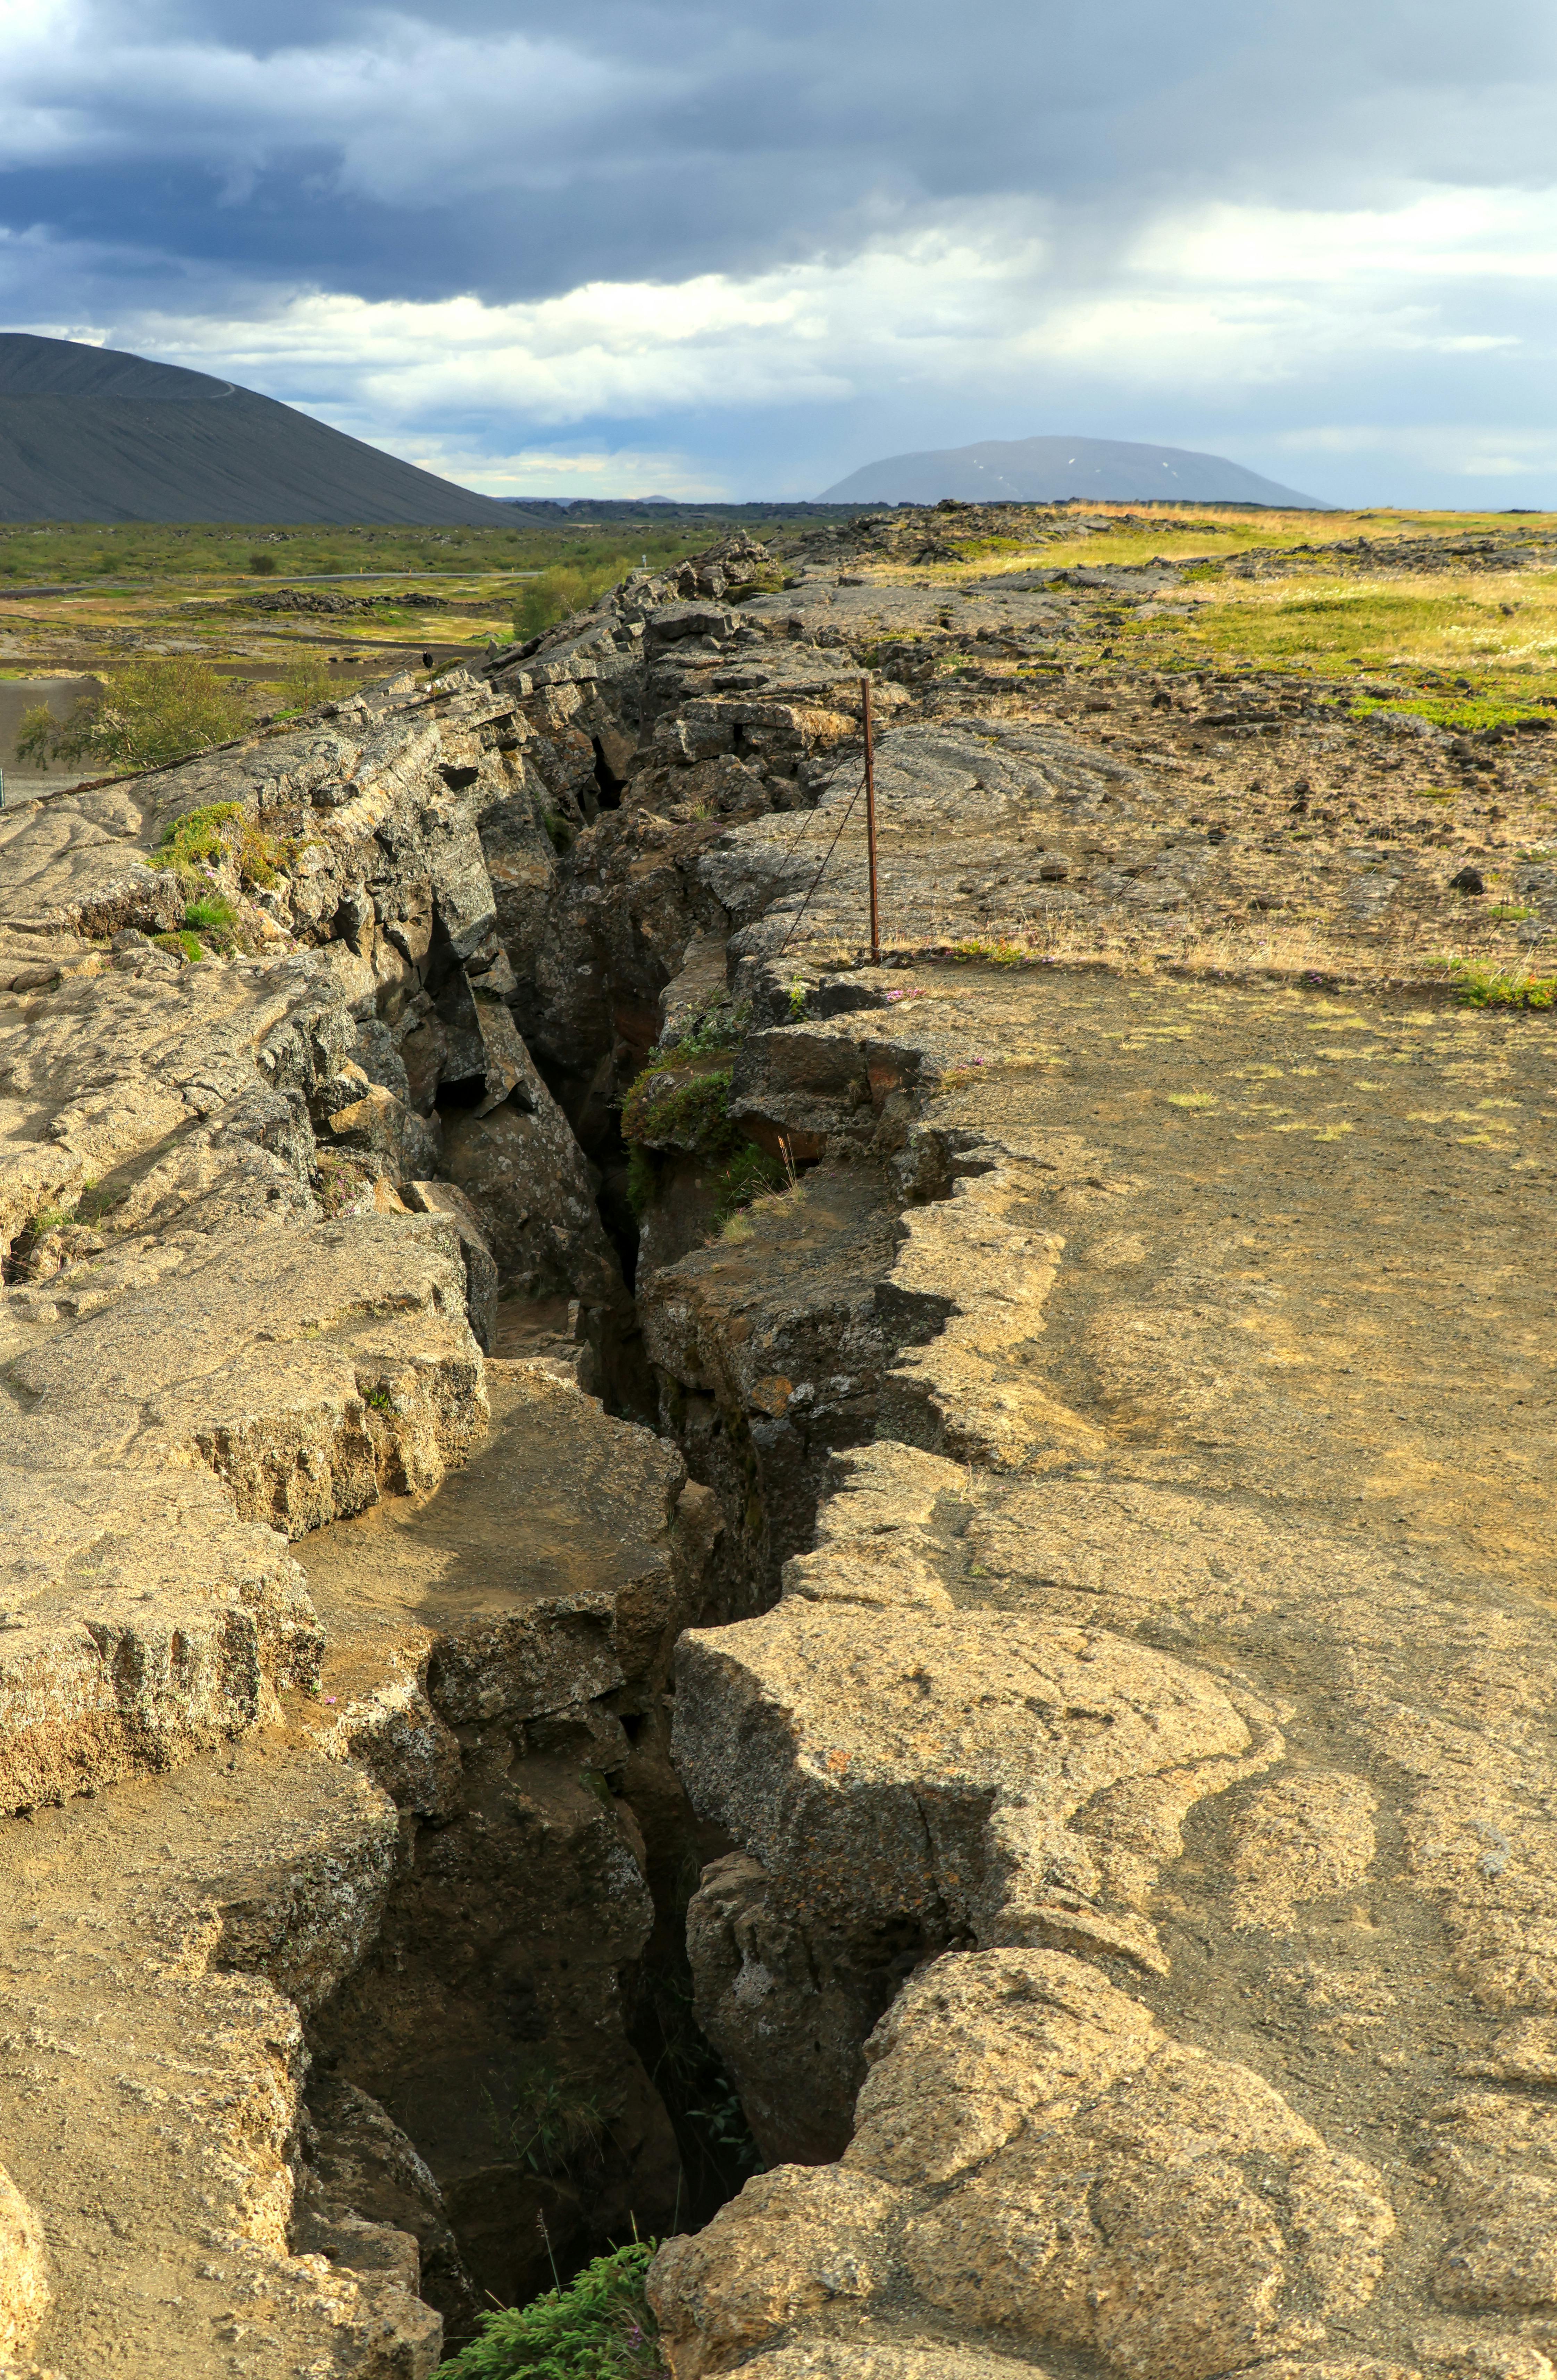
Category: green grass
[751,1174]
[598,2327]
[214,914]
[197,838]
[1478,985]
[1473,713]
[1461,660]
[49,1219]
[183,945]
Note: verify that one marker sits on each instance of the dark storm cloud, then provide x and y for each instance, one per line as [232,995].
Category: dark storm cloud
[517,150]
[764,243]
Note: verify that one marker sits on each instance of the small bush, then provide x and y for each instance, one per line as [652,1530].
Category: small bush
[261,564]
[598,2327]
[305,683]
[37,736]
[154,711]
[1478,986]
[552,597]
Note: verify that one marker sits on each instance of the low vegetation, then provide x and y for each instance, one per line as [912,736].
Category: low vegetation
[1482,986]
[751,1174]
[151,712]
[222,831]
[573,582]
[598,2327]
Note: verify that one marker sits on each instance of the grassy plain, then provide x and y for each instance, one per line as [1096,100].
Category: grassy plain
[1466,647]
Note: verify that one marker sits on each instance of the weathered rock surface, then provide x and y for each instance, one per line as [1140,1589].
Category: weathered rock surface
[1135,1419]
[239,1311]
[1128,1769]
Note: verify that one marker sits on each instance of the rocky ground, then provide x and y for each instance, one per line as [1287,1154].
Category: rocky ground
[583,1456]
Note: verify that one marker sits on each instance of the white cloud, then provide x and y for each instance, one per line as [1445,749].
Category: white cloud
[552,471]
[981,305]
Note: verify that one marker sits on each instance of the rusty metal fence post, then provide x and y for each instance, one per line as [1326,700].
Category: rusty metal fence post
[870,827]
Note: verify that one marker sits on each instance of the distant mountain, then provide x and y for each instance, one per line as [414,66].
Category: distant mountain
[1043,471]
[89,434]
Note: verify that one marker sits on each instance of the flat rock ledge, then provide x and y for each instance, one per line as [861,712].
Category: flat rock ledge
[1136,1959]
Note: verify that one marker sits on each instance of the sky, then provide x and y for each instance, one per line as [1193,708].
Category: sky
[664,247]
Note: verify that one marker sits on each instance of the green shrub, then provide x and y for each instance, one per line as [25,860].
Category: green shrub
[153,712]
[261,564]
[598,2327]
[1480,985]
[36,737]
[565,587]
[545,600]
[305,683]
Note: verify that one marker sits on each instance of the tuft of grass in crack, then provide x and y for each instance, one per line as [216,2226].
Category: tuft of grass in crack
[213,917]
[598,2327]
[751,1174]
[182,944]
[643,1181]
[222,831]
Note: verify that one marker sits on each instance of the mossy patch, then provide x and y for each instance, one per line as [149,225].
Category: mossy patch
[689,1113]
[198,840]
[222,831]
[181,945]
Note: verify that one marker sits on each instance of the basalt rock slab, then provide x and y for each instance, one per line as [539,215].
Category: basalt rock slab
[1318,1959]
[162,1938]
